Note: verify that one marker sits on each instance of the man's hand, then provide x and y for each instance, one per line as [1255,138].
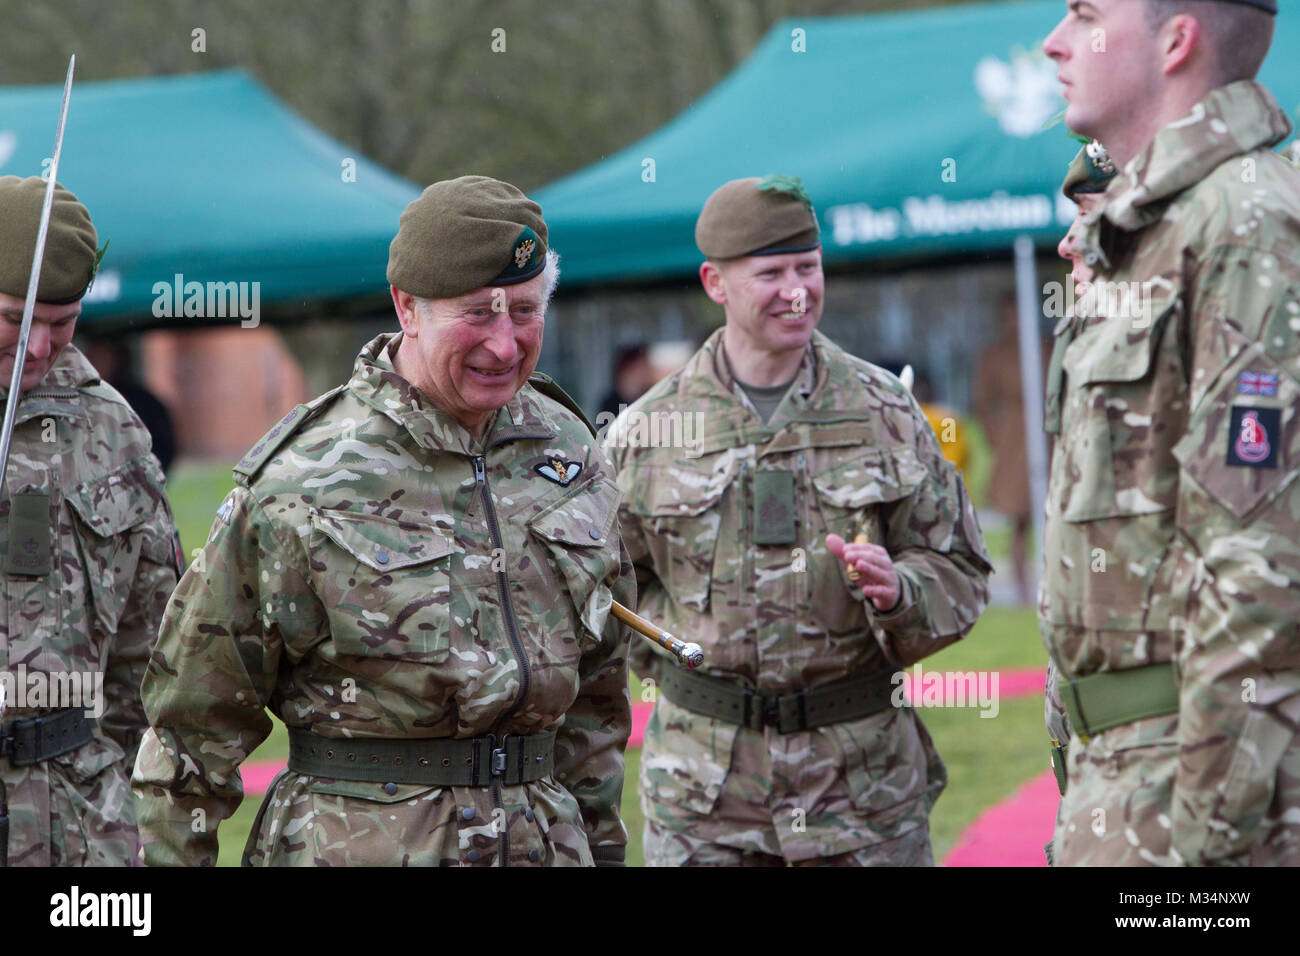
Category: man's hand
[879,579]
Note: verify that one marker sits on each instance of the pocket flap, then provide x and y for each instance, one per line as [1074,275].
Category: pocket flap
[1122,347]
[870,478]
[113,503]
[583,518]
[381,543]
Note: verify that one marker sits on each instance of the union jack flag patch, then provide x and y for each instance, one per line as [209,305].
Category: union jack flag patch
[1257,383]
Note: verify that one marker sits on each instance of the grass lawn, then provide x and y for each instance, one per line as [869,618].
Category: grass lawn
[987,758]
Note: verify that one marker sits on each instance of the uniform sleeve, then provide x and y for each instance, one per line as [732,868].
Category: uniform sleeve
[642,657]
[589,746]
[158,558]
[934,540]
[1238,515]
[208,682]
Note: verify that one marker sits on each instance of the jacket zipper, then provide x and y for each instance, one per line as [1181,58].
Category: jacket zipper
[507,609]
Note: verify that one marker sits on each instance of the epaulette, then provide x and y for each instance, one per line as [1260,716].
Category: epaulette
[546,385]
[267,445]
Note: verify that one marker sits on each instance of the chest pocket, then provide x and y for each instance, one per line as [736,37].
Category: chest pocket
[105,510]
[1115,479]
[578,531]
[682,523]
[852,496]
[384,584]
[1118,459]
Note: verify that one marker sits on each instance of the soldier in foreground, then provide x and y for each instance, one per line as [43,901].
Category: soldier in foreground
[89,553]
[1085,182]
[1172,580]
[791,746]
[414,572]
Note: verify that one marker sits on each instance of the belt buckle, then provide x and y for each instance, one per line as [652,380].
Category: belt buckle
[771,711]
[497,764]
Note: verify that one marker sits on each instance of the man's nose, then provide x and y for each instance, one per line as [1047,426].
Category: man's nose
[38,341]
[1053,45]
[1065,246]
[501,340]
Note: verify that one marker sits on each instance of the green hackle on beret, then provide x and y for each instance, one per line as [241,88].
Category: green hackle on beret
[1090,171]
[466,233]
[757,217]
[71,254]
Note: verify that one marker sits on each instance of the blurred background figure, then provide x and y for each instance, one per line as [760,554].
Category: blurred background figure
[112,359]
[633,375]
[946,422]
[999,407]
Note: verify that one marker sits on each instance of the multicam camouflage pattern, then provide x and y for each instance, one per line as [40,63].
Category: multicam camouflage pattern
[114,561]
[350,585]
[1157,547]
[779,618]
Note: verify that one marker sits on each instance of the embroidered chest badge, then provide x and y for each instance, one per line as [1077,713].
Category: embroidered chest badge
[1257,383]
[560,471]
[1251,436]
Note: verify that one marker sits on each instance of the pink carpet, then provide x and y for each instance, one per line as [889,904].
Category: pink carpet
[1011,833]
[1012,682]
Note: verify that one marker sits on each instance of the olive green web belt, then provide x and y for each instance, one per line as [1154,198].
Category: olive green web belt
[33,740]
[431,761]
[1101,701]
[848,699]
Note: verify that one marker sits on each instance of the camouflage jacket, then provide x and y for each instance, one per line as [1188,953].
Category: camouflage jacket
[352,583]
[1173,514]
[784,616]
[110,558]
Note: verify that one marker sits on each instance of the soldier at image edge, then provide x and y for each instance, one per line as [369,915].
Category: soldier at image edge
[794,744]
[1085,182]
[90,556]
[414,572]
[1171,589]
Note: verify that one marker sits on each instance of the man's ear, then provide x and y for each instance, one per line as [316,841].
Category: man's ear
[1180,39]
[711,279]
[404,304]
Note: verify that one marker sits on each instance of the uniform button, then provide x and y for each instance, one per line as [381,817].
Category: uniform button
[595,535]
[528,815]
[467,813]
[472,856]
[381,556]
[390,788]
[533,856]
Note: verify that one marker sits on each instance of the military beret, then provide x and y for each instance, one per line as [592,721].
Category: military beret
[757,217]
[463,234]
[1268,6]
[1090,172]
[70,257]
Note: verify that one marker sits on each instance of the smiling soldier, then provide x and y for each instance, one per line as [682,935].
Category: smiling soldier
[787,748]
[1171,588]
[415,574]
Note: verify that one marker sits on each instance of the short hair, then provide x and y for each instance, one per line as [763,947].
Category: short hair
[1238,36]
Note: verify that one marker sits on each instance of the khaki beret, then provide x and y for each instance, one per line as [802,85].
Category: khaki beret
[463,234]
[1090,171]
[757,217]
[1268,6]
[70,244]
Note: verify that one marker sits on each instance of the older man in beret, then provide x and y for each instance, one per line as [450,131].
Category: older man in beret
[795,743]
[1171,588]
[89,553]
[414,572]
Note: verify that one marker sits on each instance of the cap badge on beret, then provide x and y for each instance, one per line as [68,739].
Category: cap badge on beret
[1100,158]
[524,252]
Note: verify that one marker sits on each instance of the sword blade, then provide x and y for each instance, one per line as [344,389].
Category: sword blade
[38,256]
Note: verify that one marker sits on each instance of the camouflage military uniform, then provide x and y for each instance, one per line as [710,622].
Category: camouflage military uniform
[780,618]
[352,585]
[1172,517]
[113,559]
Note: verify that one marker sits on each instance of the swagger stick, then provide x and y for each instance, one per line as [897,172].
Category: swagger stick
[691,655]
